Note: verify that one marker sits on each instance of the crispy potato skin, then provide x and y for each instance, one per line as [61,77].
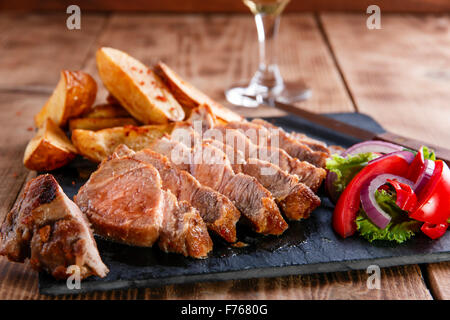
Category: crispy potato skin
[95,124]
[106,110]
[45,153]
[74,94]
[190,97]
[98,145]
[141,92]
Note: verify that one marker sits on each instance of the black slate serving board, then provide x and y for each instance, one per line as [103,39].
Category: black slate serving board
[309,246]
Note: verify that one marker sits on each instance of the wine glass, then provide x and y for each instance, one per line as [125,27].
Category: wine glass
[267,83]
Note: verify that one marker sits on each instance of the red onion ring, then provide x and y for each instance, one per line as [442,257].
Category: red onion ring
[372,146]
[329,186]
[373,210]
[407,155]
[424,176]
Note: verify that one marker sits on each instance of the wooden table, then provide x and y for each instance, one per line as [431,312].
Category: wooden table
[400,75]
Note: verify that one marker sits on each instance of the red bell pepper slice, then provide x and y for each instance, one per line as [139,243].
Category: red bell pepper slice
[434,200]
[347,207]
[417,166]
[406,198]
[434,231]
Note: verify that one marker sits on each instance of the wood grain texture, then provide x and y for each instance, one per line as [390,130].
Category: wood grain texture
[212,52]
[400,75]
[189,6]
[17,128]
[439,280]
[35,48]
[397,283]
[215,52]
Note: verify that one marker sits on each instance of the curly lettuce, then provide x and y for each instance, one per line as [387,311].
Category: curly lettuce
[400,229]
[347,167]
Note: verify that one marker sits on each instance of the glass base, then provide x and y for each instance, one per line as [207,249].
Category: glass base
[253,95]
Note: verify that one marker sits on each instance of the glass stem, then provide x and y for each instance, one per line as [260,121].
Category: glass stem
[267,26]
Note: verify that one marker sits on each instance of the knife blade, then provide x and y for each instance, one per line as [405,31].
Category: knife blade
[356,132]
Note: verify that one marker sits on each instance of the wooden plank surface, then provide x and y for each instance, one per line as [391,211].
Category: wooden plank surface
[400,75]
[215,52]
[16,127]
[397,283]
[439,278]
[36,47]
[212,52]
[189,6]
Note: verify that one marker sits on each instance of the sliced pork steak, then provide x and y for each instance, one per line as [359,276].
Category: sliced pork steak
[314,144]
[296,200]
[48,228]
[219,213]
[211,167]
[125,202]
[307,173]
[262,136]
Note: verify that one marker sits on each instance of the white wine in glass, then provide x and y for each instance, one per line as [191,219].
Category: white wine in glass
[267,82]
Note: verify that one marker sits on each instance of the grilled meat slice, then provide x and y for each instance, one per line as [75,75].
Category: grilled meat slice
[307,173]
[262,136]
[314,144]
[183,230]
[49,229]
[125,202]
[211,167]
[296,200]
[218,212]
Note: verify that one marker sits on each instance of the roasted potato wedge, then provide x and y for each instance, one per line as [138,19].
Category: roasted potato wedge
[106,110]
[97,145]
[100,123]
[139,90]
[49,149]
[111,100]
[190,97]
[74,94]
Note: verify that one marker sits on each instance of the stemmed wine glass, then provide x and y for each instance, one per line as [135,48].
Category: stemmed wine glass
[267,83]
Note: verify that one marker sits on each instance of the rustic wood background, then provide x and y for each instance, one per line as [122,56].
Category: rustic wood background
[222,6]
[400,75]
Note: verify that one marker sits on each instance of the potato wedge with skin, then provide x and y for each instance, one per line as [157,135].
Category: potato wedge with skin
[190,97]
[74,94]
[111,100]
[106,110]
[49,149]
[98,145]
[96,124]
[139,90]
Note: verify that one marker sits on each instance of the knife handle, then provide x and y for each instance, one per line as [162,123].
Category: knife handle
[441,153]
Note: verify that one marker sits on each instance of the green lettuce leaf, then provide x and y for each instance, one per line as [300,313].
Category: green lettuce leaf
[400,229]
[428,153]
[347,167]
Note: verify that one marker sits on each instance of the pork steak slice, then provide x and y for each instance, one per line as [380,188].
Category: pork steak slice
[218,212]
[48,228]
[296,200]
[211,167]
[262,136]
[314,144]
[307,173]
[125,202]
